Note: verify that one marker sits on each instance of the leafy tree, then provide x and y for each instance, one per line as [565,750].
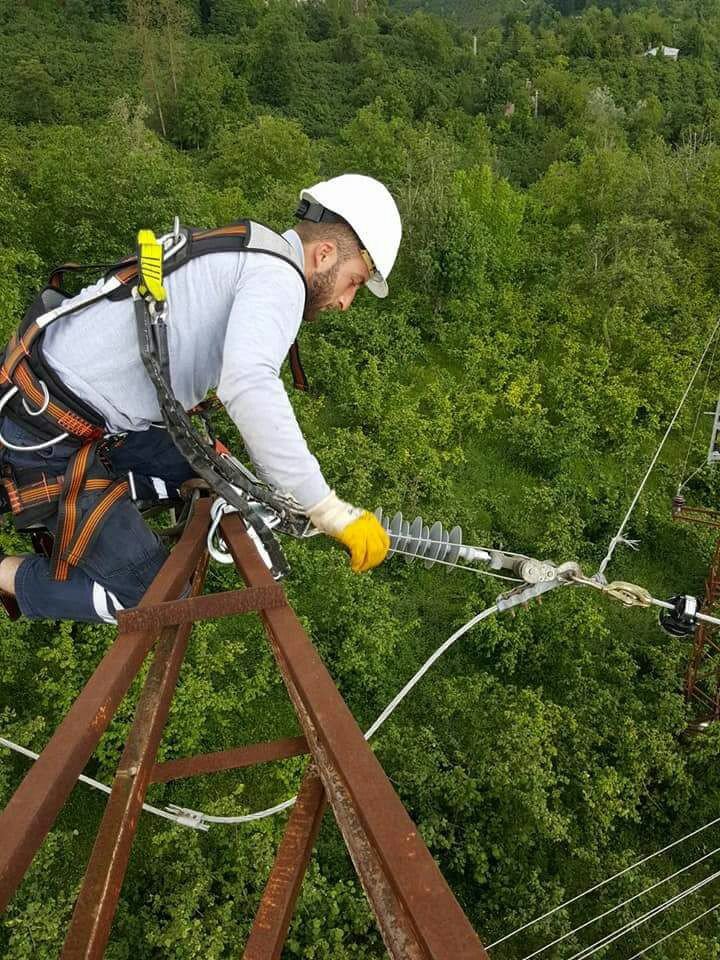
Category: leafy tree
[275,65]
[31,92]
[556,283]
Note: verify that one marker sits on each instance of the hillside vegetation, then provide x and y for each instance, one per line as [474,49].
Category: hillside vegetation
[557,282]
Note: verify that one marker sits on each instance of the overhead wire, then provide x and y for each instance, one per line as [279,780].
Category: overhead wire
[96,784]
[701,404]
[641,953]
[371,731]
[603,883]
[632,925]
[621,530]
[623,903]
[186,816]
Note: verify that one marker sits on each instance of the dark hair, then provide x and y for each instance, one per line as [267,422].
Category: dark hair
[341,234]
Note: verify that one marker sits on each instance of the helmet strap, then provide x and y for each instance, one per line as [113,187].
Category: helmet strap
[317,213]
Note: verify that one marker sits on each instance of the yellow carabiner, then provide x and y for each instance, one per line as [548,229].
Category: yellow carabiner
[150,266]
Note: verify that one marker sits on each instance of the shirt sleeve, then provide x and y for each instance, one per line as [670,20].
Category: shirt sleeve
[264,321]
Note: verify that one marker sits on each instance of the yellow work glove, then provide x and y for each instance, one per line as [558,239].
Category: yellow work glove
[356,529]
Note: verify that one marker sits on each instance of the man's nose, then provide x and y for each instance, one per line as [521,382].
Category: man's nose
[345,299]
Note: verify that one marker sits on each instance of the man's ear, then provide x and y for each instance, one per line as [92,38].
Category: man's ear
[324,255]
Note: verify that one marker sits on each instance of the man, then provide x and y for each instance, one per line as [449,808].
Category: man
[233,317]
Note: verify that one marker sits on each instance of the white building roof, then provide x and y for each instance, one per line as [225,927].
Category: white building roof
[671,52]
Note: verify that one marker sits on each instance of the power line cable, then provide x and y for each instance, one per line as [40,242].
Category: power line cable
[186,816]
[631,925]
[603,883]
[623,903]
[641,953]
[701,403]
[619,535]
[97,785]
[371,731]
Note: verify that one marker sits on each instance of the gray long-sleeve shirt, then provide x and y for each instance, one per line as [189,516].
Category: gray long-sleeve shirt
[232,320]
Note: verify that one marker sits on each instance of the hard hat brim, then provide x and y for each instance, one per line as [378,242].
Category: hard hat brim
[378,286]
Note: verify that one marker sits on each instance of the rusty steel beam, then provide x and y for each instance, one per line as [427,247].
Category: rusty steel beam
[36,803]
[416,911]
[174,612]
[701,515]
[703,637]
[229,759]
[277,905]
[97,901]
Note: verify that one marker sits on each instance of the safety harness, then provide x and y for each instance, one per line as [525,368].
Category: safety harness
[31,395]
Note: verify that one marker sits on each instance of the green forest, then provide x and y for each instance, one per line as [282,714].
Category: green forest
[557,282]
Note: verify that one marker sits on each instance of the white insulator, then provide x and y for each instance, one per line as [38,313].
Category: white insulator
[430,544]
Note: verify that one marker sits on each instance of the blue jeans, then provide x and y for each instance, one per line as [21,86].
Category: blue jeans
[126,556]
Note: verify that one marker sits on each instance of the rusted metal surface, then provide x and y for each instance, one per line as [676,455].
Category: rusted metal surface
[417,914]
[701,678]
[229,759]
[97,902]
[36,803]
[277,905]
[396,926]
[689,514]
[174,612]
[416,910]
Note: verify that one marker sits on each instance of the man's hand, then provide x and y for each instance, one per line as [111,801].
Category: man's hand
[356,529]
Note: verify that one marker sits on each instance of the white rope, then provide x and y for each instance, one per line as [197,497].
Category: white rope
[641,953]
[372,729]
[618,536]
[603,883]
[701,404]
[188,817]
[425,667]
[97,785]
[692,476]
[624,903]
[639,921]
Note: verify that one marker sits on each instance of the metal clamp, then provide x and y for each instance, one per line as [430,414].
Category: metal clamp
[562,576]
[187,817]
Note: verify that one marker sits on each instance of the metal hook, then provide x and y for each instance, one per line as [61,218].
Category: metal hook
[39,446]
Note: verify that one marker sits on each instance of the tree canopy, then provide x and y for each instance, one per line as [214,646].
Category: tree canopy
[556,283]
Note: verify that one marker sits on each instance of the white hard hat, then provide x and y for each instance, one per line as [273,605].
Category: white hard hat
[367,205]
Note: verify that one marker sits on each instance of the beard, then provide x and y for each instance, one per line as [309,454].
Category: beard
[320,291]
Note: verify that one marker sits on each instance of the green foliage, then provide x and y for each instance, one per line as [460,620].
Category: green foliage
[268,160]
[557,279]
[275,63]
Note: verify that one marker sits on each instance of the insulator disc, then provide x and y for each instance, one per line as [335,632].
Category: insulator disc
[424,537]
[434,545]
[404,539]
[445,547]
[454,548]
[414,541]
[395,528]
